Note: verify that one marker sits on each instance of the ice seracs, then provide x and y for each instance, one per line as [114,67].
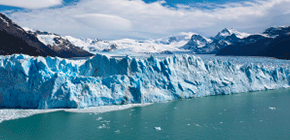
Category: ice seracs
[38,82]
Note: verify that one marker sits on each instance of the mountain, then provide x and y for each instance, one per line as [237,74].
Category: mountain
[202,45]
[196,42]
[93,45]
[225,33]
[59,44]
[162,45]
[14,39]
[180,38]
[128,46]
[122,46]
[276,31]
[273,42]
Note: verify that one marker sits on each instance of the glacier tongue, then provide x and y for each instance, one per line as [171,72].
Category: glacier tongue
[37,82]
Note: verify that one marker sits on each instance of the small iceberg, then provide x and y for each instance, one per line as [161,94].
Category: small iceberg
[157,128]
[117,131]
[272,108]
[100,118]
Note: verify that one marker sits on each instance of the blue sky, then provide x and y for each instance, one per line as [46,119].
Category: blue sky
[190,2]
[171,3]
[137,19]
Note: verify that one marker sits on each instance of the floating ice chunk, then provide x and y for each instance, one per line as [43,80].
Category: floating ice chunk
[102,126]
[272,108]
[157,128]
[100,118]
[117,131]
[106,121]
[10,114]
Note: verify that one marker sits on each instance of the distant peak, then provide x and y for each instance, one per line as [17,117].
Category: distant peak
[195,35]
[275,28]
[3,16]
[228,32]
[276,31]
[28,29]
[6,22]
[5,19]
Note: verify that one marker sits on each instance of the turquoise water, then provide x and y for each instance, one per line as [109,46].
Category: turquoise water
[252,115]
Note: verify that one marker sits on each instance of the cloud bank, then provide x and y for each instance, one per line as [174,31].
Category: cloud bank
[31,4]
[115,19]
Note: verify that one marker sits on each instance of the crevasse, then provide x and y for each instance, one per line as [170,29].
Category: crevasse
[51,82]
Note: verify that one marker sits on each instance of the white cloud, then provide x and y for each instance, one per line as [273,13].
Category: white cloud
[115,19]
[104,22]
[31,4]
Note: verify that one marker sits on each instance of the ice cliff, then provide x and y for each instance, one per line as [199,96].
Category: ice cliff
[51,82]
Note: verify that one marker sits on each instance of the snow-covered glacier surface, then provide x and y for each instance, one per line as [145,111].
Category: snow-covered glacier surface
[37,82]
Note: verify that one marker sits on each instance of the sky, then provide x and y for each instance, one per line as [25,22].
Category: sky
[146,19]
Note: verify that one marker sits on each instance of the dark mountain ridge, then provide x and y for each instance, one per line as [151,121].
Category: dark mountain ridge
[14,39]
[277,44]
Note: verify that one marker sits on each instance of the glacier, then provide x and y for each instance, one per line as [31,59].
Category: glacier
[52,82]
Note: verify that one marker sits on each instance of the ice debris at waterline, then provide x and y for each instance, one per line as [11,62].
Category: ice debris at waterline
[51,82]
[10,114]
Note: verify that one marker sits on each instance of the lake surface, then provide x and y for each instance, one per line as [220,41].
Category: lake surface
[252,115]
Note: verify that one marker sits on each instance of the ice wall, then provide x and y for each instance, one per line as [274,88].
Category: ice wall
[37,82]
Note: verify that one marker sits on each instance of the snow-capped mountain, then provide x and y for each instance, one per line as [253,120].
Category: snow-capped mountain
[163,45]
[180,38]
[128,46]
[234,41]
[227,40]
[273,42]
[201,45]
[230,32]
[14,39]
[58,43]
[196,42]
[276,31]
[90,45]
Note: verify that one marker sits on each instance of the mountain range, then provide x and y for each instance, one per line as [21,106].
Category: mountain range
[14,39]
[273,42]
